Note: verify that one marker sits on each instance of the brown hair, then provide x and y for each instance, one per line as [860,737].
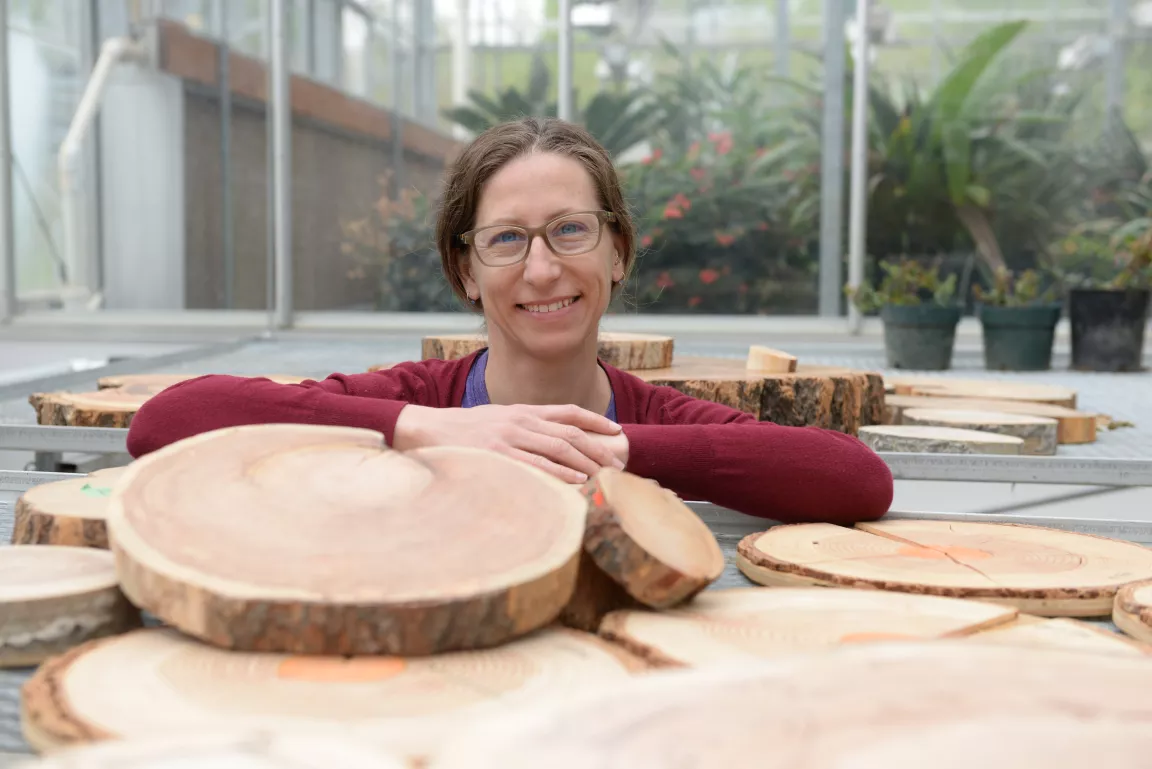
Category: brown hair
[501,144]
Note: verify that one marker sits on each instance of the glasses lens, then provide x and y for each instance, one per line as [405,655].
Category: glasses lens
[574,234]
[500,244]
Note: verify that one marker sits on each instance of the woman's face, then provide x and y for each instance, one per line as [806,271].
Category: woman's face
[547,306]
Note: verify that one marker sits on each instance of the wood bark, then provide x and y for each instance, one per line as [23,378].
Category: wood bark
[1072,427]
[1041,571]
[833,398]
[70,513]
[647,540]
[950,704]
[938,440]
[1037,433]
[322,540]
[620,350]
[53,598]
[596,595]
[408,706]
[746,624]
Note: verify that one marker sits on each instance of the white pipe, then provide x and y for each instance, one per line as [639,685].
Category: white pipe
[280,112]
[564,65]
[77,258]
[7,220]
[858,201]
[461,66]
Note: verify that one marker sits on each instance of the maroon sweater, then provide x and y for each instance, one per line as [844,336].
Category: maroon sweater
[700,450]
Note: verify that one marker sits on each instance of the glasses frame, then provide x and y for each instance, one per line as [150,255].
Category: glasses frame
[603,217]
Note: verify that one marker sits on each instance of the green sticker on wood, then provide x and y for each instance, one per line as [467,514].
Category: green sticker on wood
[96,491]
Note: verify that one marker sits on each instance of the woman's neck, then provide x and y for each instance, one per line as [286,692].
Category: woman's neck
[513,377]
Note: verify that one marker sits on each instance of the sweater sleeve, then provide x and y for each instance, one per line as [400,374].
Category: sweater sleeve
[710,452]
[216,401]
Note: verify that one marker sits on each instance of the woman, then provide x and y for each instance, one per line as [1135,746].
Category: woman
[534,233]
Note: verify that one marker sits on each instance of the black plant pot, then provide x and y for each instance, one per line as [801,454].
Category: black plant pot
[1018,338]
[919,337]
[1108,328]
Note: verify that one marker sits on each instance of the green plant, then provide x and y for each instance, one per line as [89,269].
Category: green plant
[1011,290]
[904,283]
[1110,253]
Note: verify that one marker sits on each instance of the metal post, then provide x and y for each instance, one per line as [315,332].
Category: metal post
[225,96]
[281,116]
[1114,77]
[461,66]
[858,203]
[7,217]
[398,174]
[368,64]
[564,65]
[783,38]
[832,159]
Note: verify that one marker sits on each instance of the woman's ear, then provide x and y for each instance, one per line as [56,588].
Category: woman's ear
[617,259]
[470,286]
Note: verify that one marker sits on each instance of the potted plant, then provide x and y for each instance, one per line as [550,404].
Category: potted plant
[1018,321]
[918,312]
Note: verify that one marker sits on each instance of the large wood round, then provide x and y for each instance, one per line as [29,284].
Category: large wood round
[157,681]
[621,350]
[938,440]
[1038,433]
[1073,427]
[53,598]
[71,512]
[1063,633]
[746,624]
[944,704]
[114,404]
[322,540]
[284,748]
[1132,610]
[813,396]
[1042,571]
[984,389]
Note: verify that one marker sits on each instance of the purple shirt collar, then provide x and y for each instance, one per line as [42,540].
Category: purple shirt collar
[476,390]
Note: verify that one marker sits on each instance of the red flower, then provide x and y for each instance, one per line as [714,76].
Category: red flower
[762,226]
[665,281]
[672,212]
[708,276]
[656,155]
[697,173]
[725,239]
[681,201]
[646,241]
[693,301]
[722,142]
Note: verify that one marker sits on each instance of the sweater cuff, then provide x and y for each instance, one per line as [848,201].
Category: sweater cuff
[669,457]
[371,413]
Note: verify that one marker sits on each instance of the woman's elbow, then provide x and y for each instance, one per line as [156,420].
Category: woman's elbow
[182,410]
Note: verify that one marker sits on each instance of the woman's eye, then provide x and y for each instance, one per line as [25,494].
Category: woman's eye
[508,236]
[570,228]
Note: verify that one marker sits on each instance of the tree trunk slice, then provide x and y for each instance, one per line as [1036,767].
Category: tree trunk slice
[157,383]
[596,595]
[768,361]
[1061,633]
[947,704]
[833,398]
[938,440]
[1038,433]
[647,540]
[53,598]
[261,748]
[1132,610]
[748,624]
[983,389]
[621,350]
[1072,426]
[1042,571]
[322,540]
[158,681]
[71,512]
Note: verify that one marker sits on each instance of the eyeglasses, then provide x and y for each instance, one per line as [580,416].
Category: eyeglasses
[502,245]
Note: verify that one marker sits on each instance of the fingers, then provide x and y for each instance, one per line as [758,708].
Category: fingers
[548,442]
[566,474]
[578,417]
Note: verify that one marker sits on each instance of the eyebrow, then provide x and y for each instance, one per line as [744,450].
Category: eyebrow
[513,220]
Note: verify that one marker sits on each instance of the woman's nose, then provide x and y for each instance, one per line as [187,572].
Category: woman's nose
[540,265]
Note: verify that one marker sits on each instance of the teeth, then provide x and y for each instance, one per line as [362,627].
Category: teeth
[548,307]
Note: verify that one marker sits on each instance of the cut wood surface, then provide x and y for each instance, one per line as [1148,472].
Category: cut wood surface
[1038,433]
[311,539]
[1072,426]
[71,512]
[1062,633]
[109,406]
[938,440]
[156,383]
[157,681]
[1132,610]
[295,748]
[621,350]
[747,624]
[1042,571]
[647,540]
[985,389]
[818,396]
[53,598]
[770,361]
[945,704]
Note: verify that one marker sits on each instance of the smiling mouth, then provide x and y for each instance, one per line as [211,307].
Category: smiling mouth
[550,307]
